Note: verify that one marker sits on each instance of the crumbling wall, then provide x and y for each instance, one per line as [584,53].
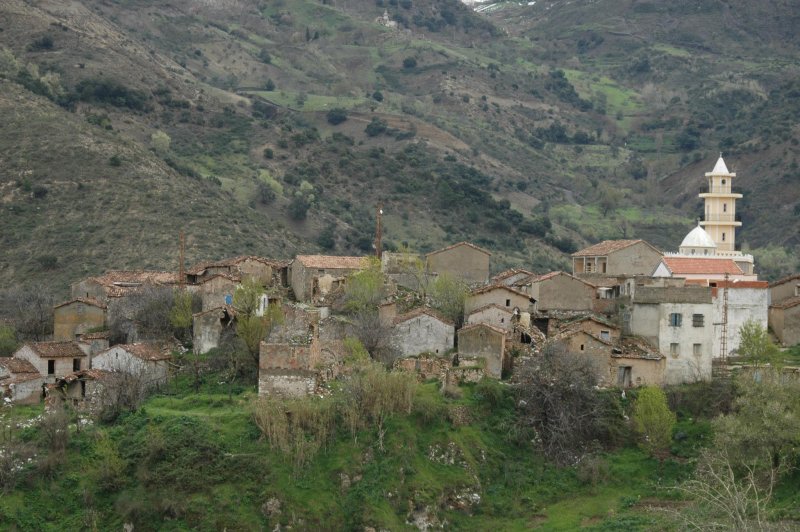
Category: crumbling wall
[286,383]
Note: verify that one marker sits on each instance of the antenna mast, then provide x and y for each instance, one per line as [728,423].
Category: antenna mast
[379,231]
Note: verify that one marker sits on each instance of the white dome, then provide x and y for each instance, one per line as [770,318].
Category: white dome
[698,238]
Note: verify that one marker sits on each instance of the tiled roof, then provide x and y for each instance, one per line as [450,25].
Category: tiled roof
[592,317]
[633,347]
[119,283]
[502,276]
[100,335]
[788,303]
[229,277]
[786,279]
[56,349]
[568,333]
[419,311]
[548,276]
[85,300]
[448,248]
[490,327]
[688,265]
[146,351]
[608,246]
[331,262]
[17,365]
[20,377]
[93,374]
[233,261]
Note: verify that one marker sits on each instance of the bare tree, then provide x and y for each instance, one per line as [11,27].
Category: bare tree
[30,310]
[560,408]
[375,335]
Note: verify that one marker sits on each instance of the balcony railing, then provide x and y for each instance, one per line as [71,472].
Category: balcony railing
[721,218]
[720,190]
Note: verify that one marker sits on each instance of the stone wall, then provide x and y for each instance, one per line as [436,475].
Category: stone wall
[286,383]
[462,262]
[76,318]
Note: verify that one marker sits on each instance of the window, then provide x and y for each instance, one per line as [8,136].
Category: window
[508,302]
[674,350]
[76,364]
[675,319]
[51,367]
[723,237]
[83,388]
[605,335]
[724,207]
[698,320]
[723,181]
[696,349]
[581,347]
[604,267]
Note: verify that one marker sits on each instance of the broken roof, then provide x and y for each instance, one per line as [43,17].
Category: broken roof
[448,248]
[498,330]
[548,276]
[229,277]
[331,262]
[199,268]
[17,365]
[786,279]
[788,303]
[711,266]
[100,335]
[568,333]
[119,283]
[579,319]
[633,347]
[145,351]
[419,311]
[85,300]
[609,246]
[56,349]
[492,305]
[491,287]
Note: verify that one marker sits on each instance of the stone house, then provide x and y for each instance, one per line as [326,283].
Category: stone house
[406,270]
[270,272]
[148,363]
[209,326]
[636,364]
[784,320]
[591,324]
[77,316]
[20,381]
[679,323]
[53,359]
[88,390]
[312,277]
[95,342]
[290,368]
[515,278]
[217,290]
[784,289]
[487,343]
[422,330]
[501,295]
[580,342]
[558,291]
[463,261]
[742,301]
[617,257]
[492,314]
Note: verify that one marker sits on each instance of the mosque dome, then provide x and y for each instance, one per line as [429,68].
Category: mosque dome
[697,238]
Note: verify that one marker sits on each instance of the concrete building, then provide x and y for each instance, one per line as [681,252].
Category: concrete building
[678,322]
[146,362]
[735,303]
[312,277]
[463,261]
[76,317]
[53,359]
[500,295]
[486,343]
[422,330]
[557,291]
[617,257]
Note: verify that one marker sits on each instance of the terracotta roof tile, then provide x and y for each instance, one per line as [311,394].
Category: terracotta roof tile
[689,265]
[608,246]
[197,269]
[227,276]
[786,279]
[548,276]
[448,248]
[419,311]
[492,305]
[85,300]
[119,283]
[490,287]
[100,335]
[486,325]
[17,365]
[146,351]
[788,303]
[568,333]
[331,262]
[56,349]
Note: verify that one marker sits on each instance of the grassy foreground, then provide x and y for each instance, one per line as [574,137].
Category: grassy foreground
[196,460]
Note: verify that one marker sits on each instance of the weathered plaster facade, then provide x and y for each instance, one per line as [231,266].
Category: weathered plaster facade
[492,314]
[463,261]
[482,341]
[617,257]
[562,291]
[53,359]
[747,300]
[502,296]
[148,363]
[76,317]
[422,331]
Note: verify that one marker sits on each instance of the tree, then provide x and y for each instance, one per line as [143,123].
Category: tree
[160,142]
[376,127]
[336,116]
[180,316]
[609,199]
[269,85]
[8,341]
[253,321]
[377,96]
[559,408]
[298,208]
[653,419]
[364,289]
[447,295]
[409,62]
[30,311]
[755,344]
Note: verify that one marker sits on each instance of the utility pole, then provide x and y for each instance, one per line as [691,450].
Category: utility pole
[379,232]
[181,271]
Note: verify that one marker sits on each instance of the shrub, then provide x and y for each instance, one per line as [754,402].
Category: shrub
[298,208]
[377,96]
[269,85]
[376,127]
[409,62]
[8,341]
[265,57]
[109,92]
[336,116]
[115,160]
[45,42]
[653,419]
[268,153]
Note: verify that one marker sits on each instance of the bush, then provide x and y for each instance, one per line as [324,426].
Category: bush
[8,341]
[376,127]
[409,62]
[109,92]
[298,208]
[115,160]
[336,116]
[377,96]
[653,419]
[45,42]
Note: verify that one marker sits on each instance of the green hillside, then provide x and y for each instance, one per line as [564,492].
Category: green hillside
[529,131]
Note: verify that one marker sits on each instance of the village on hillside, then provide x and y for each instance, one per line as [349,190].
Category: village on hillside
[642,316]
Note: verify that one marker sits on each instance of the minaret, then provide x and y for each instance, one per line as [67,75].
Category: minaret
[720,219]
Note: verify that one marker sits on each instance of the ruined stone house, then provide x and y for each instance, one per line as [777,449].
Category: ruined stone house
[493,314]
[589,323]
[517,278]
[784,320]
[501,295]
[783,289]
[270,272]
[559,291]
[422,330]
[78,316]
[617,257]
[209,326]
[463,261]
[148,363]
[486,343]
[87,391]
[217,290]
[313,277]
[20,381]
